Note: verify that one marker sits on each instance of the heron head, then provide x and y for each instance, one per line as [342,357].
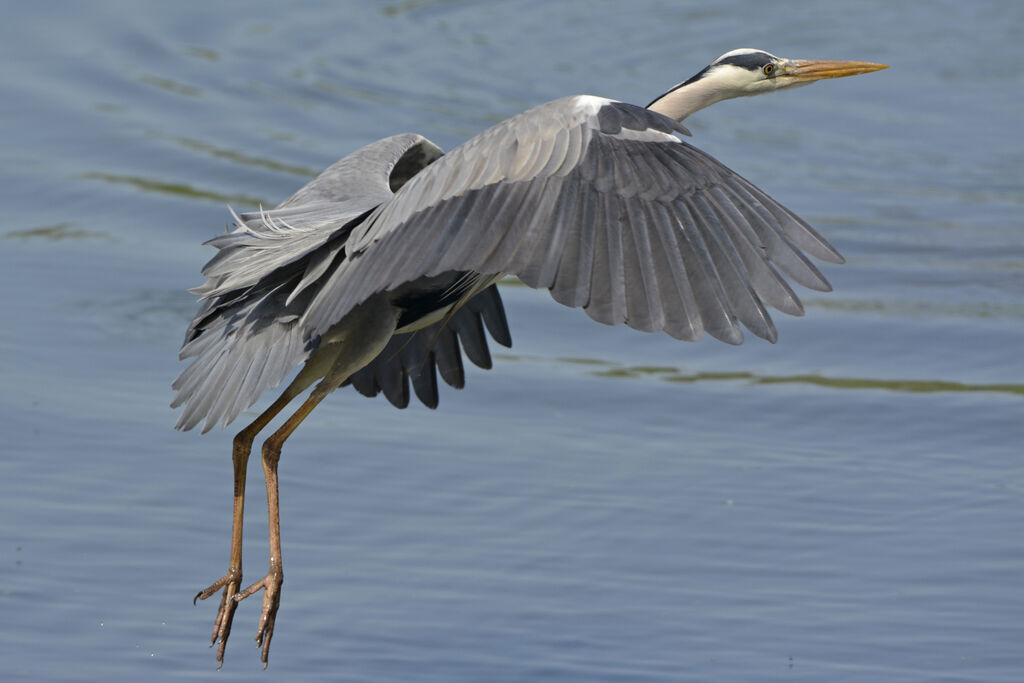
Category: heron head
[746,71]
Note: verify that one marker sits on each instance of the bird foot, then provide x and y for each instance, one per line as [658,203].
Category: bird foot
[230,582]
[271,585]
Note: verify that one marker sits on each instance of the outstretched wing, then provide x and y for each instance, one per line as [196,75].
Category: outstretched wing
[600,202]
[249,334]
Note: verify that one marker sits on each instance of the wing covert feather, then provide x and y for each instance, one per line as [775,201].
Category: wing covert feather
[603,204]
[599,201]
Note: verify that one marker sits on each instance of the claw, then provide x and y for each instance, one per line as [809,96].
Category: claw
[226,612]
[271,585]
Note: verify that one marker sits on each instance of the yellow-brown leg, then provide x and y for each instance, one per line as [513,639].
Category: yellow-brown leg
[348,346]
[231,581]
[271,583]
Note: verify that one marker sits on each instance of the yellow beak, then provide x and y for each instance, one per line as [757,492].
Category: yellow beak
[810,70]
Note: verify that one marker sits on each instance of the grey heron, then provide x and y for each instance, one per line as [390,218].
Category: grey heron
[378,270]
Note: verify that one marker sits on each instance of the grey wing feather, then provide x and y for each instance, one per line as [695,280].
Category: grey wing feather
[249,333]
[239,351]
[416,355]
[604,205]
[596,200]
[266,241]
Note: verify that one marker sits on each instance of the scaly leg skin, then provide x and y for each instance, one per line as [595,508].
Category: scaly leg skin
[271,583]
[232,580]
[365,332]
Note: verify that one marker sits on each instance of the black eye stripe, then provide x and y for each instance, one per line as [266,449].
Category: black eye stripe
[754,61]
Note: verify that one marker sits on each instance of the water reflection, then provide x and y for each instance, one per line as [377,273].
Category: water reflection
[170,85]
[203,53]
[395,8]
[543,524]
[240,157]
[60,232]
[613,370]
[177,189]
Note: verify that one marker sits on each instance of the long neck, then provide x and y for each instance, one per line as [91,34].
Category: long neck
[690,97]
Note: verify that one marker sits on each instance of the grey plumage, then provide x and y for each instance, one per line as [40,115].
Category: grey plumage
[382,272]
[547,206]
[249,335]
[599,201]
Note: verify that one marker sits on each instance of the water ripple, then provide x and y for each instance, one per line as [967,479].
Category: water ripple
[176,189]
[611,370]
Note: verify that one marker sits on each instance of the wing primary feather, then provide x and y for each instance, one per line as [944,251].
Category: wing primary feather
[707,288]
[766,281]
[488,305]
[471,334]
[796,229]
[658,185]
[679,310]
[448,357]
[549,252]
[540,267]
[572,281]
[681,179]
[418,362]
[780,250]
[604,164]
[607,281]
[452,224]
[387,261]
[482,251]
[448,217]
[742,299]
[474,239]
[644,297]
[365,382]
[514,246]
[391,375]
[617,223]
[601,306]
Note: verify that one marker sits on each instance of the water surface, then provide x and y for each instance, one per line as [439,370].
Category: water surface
[604,505]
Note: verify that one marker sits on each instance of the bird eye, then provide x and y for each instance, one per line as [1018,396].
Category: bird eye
[768,69]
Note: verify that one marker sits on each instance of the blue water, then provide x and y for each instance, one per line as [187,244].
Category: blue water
[603,505]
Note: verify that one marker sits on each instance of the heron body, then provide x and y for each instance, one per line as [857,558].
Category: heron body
[383,269]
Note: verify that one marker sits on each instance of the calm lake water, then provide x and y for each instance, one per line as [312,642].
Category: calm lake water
[604,505]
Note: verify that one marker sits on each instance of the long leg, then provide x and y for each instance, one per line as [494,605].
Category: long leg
[271,583]
[231,581]
[356,340]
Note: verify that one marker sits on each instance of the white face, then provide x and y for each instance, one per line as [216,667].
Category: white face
[747,71]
